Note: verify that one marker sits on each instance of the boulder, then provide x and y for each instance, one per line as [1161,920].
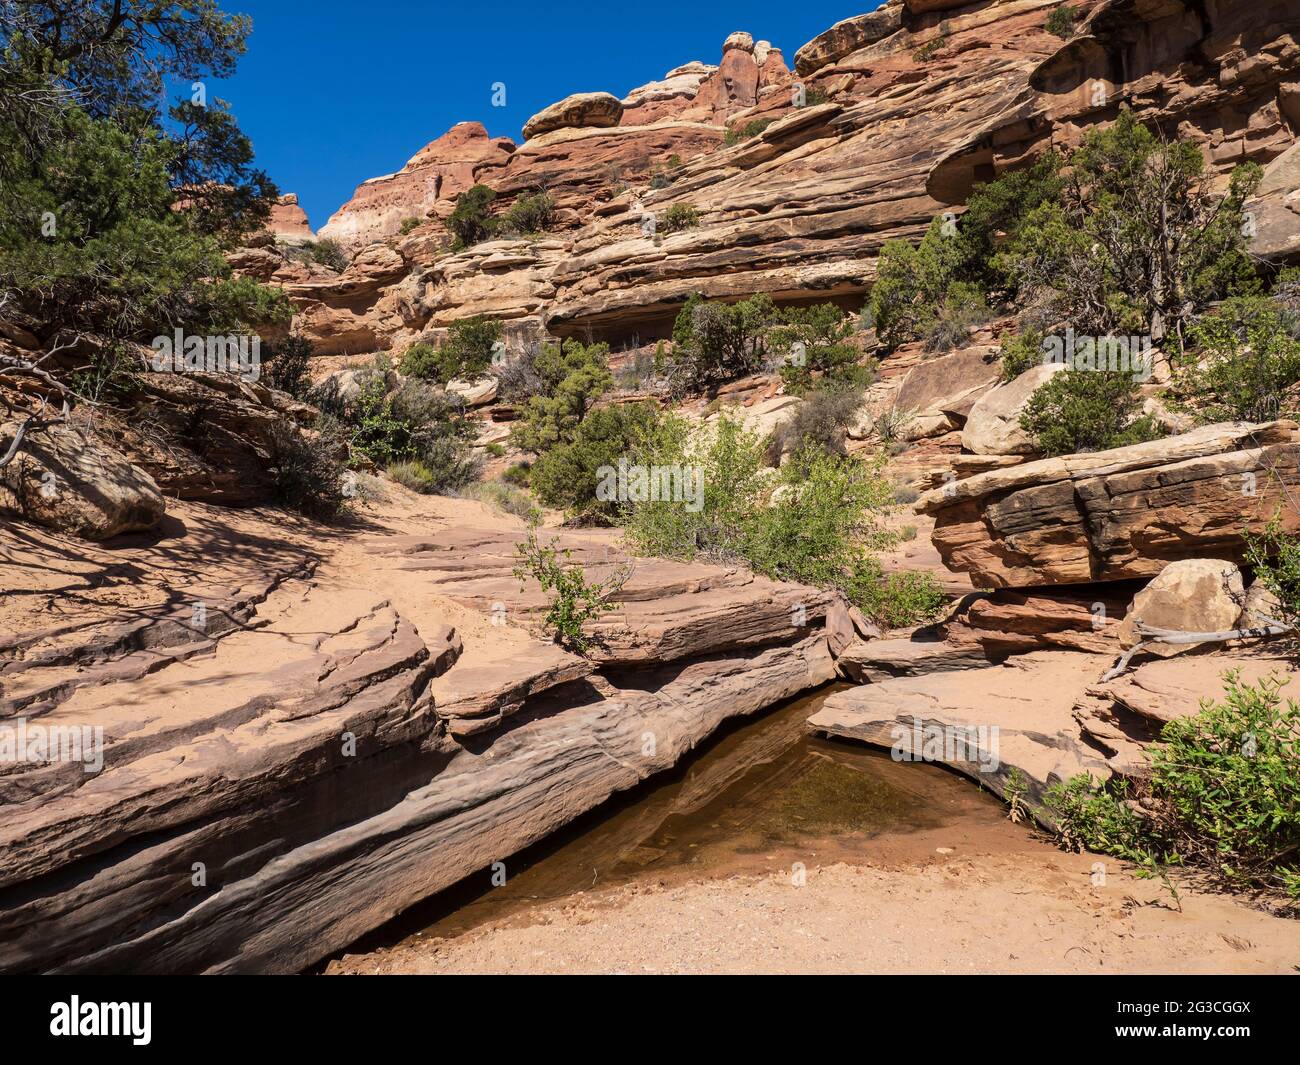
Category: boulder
[475,393]
[63,478]
[993,425]
[1275,210]
[1192,595]
[582,110]
[846,37]
[1119,514]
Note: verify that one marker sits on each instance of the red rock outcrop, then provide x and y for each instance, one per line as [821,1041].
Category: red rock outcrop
[463,156]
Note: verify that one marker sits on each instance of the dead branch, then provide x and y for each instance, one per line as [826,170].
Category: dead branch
[1152,635]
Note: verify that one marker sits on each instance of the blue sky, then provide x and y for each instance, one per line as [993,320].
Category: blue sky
[333,93]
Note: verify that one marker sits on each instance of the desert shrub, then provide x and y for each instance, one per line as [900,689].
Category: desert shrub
[421,361]
[572,601]
[287,363]
[571,377]
[1020,353]
[506,498]
[748,131]
[465,353]
[412,424]
[1242,362]
[1061,22]
[566,476]
[529,214]
[517,376]
[820,520]
[471,220]
[928,51]
[1086,410]
[408,225]
[1222,794]
[412,474]
[1275,557]
[520,475]
[911,281]
[821,422]
[815,340]
[678,217]
[963,307]
[1139,238]
[328,253]
[718,342]
[902,600]
[308,476]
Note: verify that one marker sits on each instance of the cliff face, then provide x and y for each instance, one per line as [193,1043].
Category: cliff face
[890,119]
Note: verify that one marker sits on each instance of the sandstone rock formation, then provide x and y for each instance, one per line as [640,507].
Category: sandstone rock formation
[1191,595]
[993,425]
[65,479]
[289,221]
[1117,514]
[463,156]
[583,110]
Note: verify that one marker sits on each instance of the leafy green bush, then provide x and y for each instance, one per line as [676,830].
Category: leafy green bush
[519,475]
[749,131]
[570,378]
[566,476]
[308,476]
[530,214]
[409,224]
[816,341]
[1275,557]
[287,363]
[819,520]
[328,253]
[1020,353]
[718,342]
[506,498]
[1242,362]
[572,601]
[902,600]
[678,217]
[1087,410]
[471,220]
[466,352]
[1061,22]
[1223,794]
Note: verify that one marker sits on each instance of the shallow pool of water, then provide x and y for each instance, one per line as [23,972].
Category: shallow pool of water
[761,794]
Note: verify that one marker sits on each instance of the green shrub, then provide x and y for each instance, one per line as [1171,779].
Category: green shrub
[963,307]
[570,378]
[678,217]
[1086,410]
[530,214]
[572,602]
[466,352]
[413,474]
[287,365]
[1243,362]
[308,476]
[718,342]
[1061,22]
[1275,558]
[506,498]
[409,224]
[1223,794]
[928,51]
[519,475]
[821,422]
[903,600]
[819,521]
[567,476]
[471,220]
[747,132]
[1022,352]
[816,341]
[328,253]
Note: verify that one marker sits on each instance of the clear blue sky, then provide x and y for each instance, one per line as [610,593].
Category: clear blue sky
[333,93]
